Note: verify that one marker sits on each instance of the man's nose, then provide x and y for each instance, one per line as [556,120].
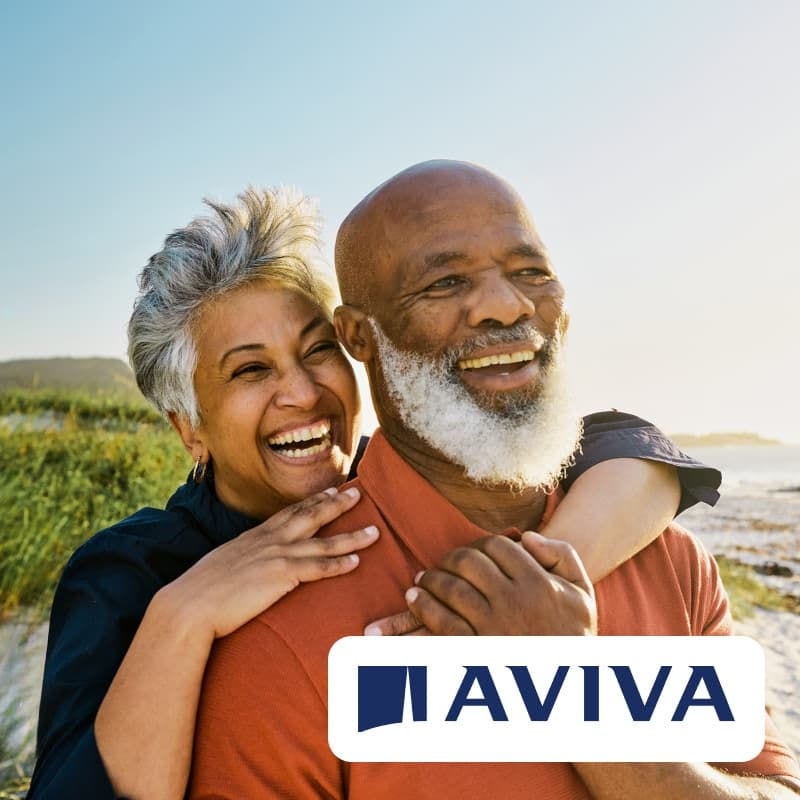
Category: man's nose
[497,301]
[297,388]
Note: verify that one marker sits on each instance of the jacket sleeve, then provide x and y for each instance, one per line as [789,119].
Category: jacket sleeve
[97,608]
[614,434]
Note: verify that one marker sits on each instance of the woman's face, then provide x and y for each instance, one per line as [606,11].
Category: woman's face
[278,401]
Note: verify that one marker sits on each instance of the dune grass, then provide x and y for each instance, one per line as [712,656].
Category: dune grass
[746,591]
[60,485]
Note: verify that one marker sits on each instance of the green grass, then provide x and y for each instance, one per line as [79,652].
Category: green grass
[61,486]
[80,408]
[746,591]
[16,788]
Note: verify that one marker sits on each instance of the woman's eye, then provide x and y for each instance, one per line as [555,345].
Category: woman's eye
[323,348]
[250,370]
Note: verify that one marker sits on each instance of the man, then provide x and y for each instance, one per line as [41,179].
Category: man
[454,308]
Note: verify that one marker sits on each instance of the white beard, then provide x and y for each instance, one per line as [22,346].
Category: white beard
[526,443]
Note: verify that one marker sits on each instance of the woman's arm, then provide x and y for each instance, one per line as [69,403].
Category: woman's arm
[614,434]
[627,483]
[615,509]
[145,724]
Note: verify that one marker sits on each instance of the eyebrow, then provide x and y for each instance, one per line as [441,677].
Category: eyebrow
[448,257]
[437,260]
[251,346]
[527,251]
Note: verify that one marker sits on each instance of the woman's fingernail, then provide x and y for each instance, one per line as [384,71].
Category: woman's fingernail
[332,491]
[373,630]
[351,492]
[418,576]
[371,530]
[412,594]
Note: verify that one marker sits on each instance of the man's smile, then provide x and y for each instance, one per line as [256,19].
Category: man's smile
[502,368]
[502,359]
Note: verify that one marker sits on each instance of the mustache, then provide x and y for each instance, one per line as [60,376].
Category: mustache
[523,333]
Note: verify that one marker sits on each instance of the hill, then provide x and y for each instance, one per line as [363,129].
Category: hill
[93,375]
[720,439]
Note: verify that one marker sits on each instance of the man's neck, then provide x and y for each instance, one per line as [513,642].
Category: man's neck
[494,508]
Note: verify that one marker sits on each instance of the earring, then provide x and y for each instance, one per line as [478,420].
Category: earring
[199,471]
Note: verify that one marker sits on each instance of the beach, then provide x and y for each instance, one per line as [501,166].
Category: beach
[778,633]
[757,522]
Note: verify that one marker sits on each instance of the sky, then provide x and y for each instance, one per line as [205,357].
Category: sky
[655,143]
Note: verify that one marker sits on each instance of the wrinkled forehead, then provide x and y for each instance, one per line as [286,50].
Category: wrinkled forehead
[437,212]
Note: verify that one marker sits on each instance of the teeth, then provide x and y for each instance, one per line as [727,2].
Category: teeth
[503,358]
[302,434]
[308,451]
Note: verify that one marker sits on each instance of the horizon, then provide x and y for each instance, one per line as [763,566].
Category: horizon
[655,145]
[369,421]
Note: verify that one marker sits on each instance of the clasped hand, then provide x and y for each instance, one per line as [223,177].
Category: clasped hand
[498,587]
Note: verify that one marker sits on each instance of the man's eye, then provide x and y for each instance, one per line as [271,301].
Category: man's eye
[539,274]
[450,282]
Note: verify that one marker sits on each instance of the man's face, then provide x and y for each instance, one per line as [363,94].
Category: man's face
[465,275]
[467,318]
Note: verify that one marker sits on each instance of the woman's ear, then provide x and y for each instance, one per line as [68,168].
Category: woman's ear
[190,437]
[354,332]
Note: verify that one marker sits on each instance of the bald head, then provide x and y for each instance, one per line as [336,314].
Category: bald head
[374,235]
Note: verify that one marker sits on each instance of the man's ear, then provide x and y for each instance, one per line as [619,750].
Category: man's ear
[190,437]
[563,325]
[354,332]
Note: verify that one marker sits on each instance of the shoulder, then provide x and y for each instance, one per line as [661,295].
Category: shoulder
[125,564]
[133,541]
[688,553]
[678,559]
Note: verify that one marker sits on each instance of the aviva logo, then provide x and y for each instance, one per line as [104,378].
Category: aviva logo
[516,698]
[382,695]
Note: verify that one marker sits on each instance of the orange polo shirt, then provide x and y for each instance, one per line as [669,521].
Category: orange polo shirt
[262,723]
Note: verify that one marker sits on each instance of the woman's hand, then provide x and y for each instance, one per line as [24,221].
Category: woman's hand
[238,580]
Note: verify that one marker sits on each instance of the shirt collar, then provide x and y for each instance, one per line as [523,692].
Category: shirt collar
[428,524]
[199,500]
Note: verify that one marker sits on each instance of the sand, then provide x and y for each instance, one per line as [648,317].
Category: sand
[778,633]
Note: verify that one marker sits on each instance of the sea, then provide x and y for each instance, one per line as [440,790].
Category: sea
[757,519]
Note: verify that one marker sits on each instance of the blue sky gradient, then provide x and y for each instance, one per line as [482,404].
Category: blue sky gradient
[656,143]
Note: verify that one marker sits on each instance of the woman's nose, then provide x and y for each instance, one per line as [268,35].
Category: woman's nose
[298,389]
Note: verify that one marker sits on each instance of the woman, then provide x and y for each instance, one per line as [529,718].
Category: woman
[231,339]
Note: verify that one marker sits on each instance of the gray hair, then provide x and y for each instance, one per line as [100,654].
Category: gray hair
[270,234]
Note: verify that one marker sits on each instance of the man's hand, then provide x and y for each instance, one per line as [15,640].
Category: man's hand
[500,587]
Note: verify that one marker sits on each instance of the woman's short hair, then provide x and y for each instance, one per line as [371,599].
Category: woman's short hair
[268,235]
